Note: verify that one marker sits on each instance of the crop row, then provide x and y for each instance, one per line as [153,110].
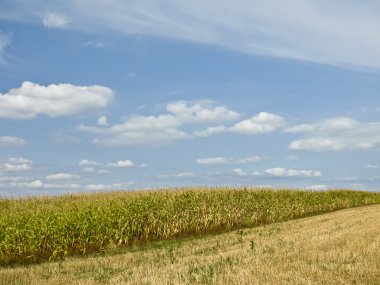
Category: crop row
[37,229]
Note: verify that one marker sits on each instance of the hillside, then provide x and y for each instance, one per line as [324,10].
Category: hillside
[341,247]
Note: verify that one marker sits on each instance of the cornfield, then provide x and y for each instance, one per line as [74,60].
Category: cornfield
[38,229]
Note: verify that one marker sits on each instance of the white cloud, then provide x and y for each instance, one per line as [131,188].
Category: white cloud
[161,129]
[325,126]
[184,174]
[121,164]
[224,160]
[248,159]
[90,166]
[313,30]
[31,100]
[5,41]
[12,141]
[89,169]
[102,121]
[122,185]
[260,124]
[181,175]
[347,178]
[37,184]
[371,166]
[62,176]
[337,134]
[12,179]
[282,172]
[239,172]
[318,144]
[291,157]
[18,160]
[15,164]
[86,162]
[202,111]
[54,20]
[103,171]
[62,186]
[318,187]
[96,187]
[211,131]
[212,160]
[96,44]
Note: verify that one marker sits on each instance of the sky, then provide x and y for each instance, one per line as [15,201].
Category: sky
[104,95]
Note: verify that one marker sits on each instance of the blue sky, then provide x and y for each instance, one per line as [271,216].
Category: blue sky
[107,95]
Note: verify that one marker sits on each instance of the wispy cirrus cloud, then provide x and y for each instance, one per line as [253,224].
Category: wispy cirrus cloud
[54,20]
[5,40]
[319,31]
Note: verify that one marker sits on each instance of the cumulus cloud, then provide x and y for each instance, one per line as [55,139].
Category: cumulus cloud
[283,172]
[102,121]
[86,162]
[96,187]
[121,164]
[212,160]
[37,184]
[317,31]
[239,172]
[65,186]
[224,160]
[261,123]
[181,175]
[54,20]
[371,166]
[89,169]
[12,178]
[15,164]
[211,131]
[62,176]
[337,134]
[202,111]
[318,187]
[31,100]
[318,144]
[12,141]
[326,126]
[161,129]
[90,166]
[184,174]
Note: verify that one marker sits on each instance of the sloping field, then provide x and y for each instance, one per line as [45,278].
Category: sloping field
[342,247]
[35,230]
